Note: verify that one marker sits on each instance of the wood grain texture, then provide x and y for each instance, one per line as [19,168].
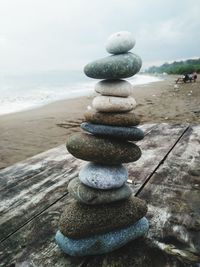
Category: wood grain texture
[173,197]
[31,186]
[157,143]
[34,245]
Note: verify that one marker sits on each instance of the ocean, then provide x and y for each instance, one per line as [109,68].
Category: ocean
[18,93]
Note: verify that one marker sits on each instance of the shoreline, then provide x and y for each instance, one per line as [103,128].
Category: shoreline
[68,92]
[27,133]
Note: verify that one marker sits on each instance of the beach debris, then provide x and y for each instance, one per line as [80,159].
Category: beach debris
[176,87]
[104,215]
[70,123]
[89,107]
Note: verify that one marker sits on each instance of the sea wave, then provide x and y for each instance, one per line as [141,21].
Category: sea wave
[16,98]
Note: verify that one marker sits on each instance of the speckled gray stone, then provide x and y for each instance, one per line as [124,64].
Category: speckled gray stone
[103,177]
[114,67]
[126,133]
[91,196]
[79,220]
[113,103]
[114,88]
[99,244]
[120,42]
[115,119]
[102,150]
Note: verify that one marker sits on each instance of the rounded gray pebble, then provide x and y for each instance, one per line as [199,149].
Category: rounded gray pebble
[125,133]
[120,42]
[103,177]
[114,88]
[114,67]
[91,196]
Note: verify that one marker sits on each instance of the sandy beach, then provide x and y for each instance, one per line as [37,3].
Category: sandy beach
[28,133]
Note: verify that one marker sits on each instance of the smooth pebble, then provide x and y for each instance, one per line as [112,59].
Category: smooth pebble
[113,104]
[103,177]
[120,42]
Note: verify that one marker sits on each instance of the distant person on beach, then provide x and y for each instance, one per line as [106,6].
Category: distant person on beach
[187,77]
[184,78]
[194,76]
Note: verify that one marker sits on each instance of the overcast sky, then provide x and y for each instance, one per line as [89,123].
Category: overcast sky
[43,35]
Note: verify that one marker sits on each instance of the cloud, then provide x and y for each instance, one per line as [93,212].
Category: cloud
[37,35]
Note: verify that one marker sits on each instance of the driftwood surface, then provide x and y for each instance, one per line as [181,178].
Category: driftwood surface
[33,193]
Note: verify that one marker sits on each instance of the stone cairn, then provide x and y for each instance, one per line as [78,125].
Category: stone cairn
[104,214]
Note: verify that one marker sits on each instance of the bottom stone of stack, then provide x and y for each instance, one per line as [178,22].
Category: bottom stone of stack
[102,243]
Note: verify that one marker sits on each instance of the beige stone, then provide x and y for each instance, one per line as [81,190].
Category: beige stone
[114,88]
[113,104]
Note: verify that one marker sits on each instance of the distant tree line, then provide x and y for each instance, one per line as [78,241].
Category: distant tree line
[177,67]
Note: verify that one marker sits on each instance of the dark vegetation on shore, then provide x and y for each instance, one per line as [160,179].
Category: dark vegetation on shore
[177,67]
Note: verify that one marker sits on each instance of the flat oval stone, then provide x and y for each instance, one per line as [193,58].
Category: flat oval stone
[91,196]
[115,119]
[114,67]
[120,42]
[104,243]
[102,150]
[80,220]
[126,133]
[114,88]
[113,103]
[103,177]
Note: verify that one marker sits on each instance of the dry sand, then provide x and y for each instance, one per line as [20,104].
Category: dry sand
[27,133]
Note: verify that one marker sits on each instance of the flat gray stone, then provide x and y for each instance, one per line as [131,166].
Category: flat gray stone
[113,103]
[125,133]
[104,243]
[114,88]
[102,176]
[102,150]
[120,42]
[79,220]
[115,119]
[114,67]
[91,196]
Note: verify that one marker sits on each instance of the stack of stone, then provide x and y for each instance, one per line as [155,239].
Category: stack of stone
[104,214]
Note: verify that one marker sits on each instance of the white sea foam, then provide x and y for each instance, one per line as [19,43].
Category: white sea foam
[15,98]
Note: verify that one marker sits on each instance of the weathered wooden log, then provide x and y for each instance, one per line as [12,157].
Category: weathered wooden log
[33,193]
[31,186]
[173,195]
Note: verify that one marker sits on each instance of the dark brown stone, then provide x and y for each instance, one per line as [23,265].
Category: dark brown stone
[102,150]
[115,119]
[80,221]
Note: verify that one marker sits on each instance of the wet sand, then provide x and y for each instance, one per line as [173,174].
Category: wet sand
[28,133]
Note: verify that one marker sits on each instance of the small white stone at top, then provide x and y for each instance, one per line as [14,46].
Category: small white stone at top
[120,42]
